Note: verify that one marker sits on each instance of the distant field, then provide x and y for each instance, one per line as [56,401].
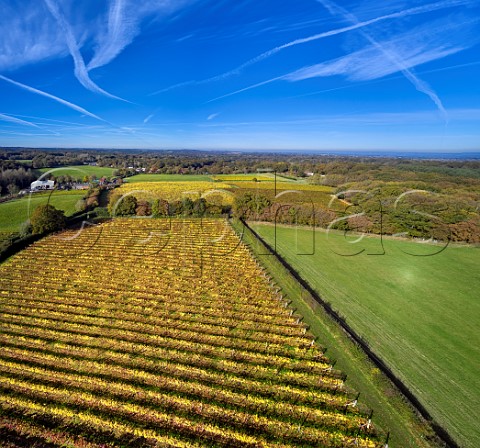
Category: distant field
[173,191]
[261,177]
[173,186]
[14,213]
[420,314]
[167,178]
[79,171]
[282,185]
[243,177]
[282,178]
[290,192]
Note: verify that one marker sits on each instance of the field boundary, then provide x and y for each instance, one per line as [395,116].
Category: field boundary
[441,432]
[18,244]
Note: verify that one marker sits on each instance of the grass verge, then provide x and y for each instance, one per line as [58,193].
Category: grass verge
[415,304]
[14,213]
[78,172]
[391,411]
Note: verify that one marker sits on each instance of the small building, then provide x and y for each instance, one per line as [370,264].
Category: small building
[81,186]
[42,185]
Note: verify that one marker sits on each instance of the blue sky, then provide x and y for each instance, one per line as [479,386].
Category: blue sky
[241,74]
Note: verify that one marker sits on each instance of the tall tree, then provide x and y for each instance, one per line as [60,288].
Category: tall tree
[46,218]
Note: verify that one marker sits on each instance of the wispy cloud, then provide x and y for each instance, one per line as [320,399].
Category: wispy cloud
[354,26]
[357,25]
[14,120]
[180,84]
[147,119]
[52,122]
[375,81]
[52,29]
[399,54]
[119,33]
[368,64]
[31,37]
[375,119]
[53,97]
[123,25]
[254,86]
[212,116]
[81,72]
[393,56]
[183,38]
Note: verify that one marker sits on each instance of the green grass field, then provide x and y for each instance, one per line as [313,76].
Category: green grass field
[244,177]
[14,213]
[420,314]
[79,171]
[168,178]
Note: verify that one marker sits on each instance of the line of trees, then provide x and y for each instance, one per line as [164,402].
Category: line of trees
[417,215]
[334,170]
[15,179]
[131,206]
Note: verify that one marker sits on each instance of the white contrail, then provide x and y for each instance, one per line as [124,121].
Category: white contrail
[376,81]
[419,84]
[10,119]
[368,64]
[254,86]
[357,25]
[147,119]
[123,26]
[181,84]
[54,98]
[119,34]
[81,72]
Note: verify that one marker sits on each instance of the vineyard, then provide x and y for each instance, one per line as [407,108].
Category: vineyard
[281,186]
[144,332]
[288,192]
[172,191]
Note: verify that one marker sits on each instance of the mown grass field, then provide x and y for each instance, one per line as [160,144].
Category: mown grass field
[419,313]
[176,338]
[281,185]
[78,172]
[243,177]
[139,178]
[14,213]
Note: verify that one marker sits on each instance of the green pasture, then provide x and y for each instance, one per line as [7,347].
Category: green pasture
[14,213]
[260,177]
[418,309]
[168,178]
[80,171]
[285,178]
[295,196]
[263,177]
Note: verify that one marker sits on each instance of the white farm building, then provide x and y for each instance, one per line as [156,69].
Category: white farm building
[42,185]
